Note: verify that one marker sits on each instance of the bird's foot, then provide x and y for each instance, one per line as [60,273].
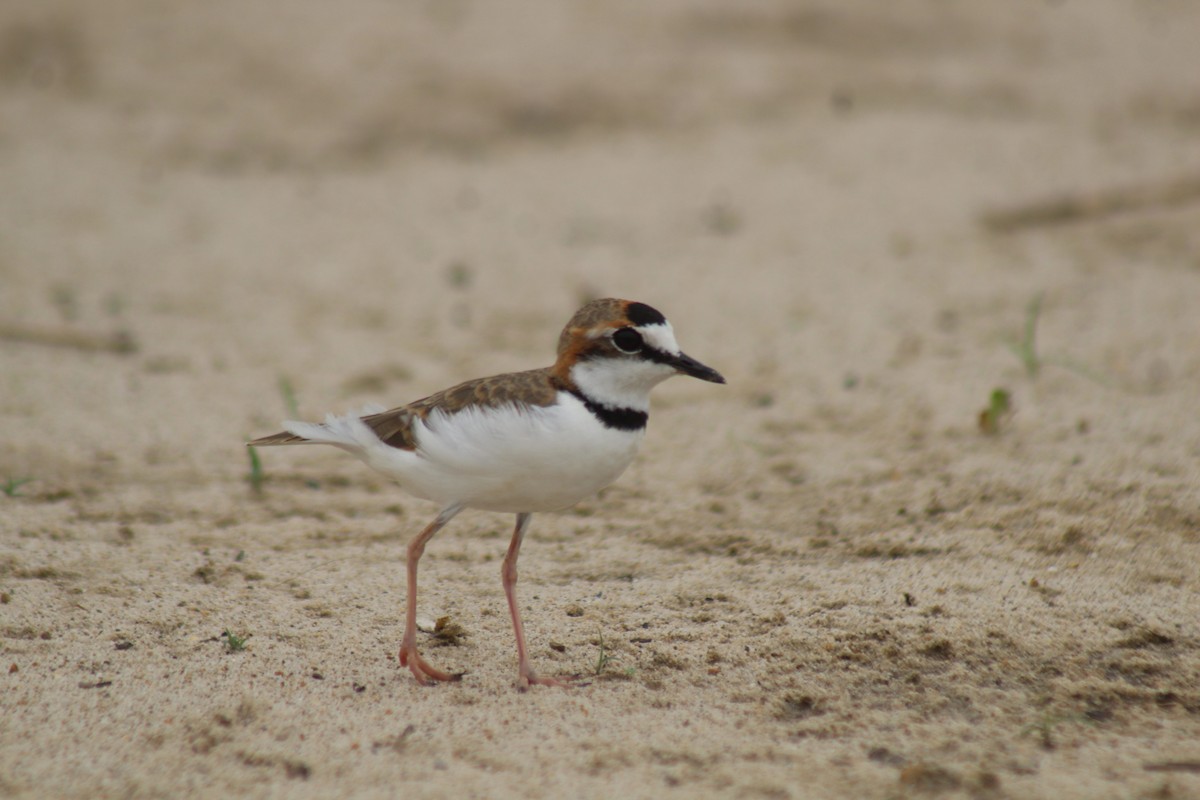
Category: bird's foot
[425,673]
[527,677]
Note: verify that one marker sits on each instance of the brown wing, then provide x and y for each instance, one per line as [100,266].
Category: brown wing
[394,427]
[537,387]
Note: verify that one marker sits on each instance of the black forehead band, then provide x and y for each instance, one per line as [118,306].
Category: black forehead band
[640,314]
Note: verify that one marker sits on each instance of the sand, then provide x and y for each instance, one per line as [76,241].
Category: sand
[831,578]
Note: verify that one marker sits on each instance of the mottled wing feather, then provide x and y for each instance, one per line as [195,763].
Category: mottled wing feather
[538,387]
[535,387]
[394,427]
[532,388]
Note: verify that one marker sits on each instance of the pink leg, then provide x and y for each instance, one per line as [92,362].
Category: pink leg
[508,574]
[409,657]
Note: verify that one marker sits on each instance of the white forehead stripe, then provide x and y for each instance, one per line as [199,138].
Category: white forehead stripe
[660,336]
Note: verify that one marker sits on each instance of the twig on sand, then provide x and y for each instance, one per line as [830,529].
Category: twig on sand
[121,342]
[1076,207]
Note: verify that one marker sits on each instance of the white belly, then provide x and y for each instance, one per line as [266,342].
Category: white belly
[539,459]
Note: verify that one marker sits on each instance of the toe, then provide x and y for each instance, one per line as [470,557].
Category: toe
[529,678]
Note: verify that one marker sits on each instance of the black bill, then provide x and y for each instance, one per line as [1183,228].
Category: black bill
[690,366]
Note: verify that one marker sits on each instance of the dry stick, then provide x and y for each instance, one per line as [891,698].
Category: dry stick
[1173,766]
[120,342]
[1075,207]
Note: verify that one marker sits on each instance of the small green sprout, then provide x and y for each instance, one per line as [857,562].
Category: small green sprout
[1043,730]
[603,659]
[233,642]
[998,408]
[1026,348]
[10,486]
[256,476]
[288,392]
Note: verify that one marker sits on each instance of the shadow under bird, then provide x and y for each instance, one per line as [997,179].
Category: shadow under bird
[521,442]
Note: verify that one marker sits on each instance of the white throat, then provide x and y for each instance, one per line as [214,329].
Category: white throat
[619,382]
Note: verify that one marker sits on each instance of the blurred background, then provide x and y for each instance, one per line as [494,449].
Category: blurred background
[238,186]
[947,255]
[204,203]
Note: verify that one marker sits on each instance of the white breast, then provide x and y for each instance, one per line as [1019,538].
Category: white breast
[504,459]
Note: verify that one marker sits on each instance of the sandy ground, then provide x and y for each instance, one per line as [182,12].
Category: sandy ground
[822,580]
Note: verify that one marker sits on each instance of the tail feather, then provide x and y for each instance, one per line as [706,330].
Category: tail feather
[343,431]
[283,437]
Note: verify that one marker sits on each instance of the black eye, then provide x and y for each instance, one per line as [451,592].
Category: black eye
[627,340]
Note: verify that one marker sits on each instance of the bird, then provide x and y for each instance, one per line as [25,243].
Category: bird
[520,442]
